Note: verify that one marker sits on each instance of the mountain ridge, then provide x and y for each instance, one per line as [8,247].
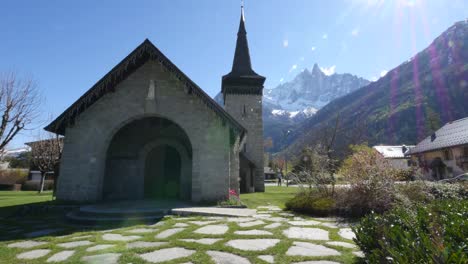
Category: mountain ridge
[411,100]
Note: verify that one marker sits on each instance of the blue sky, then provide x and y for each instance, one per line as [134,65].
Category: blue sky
[68,45]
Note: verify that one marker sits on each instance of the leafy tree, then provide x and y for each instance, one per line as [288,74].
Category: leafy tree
[22,161]
[46,153]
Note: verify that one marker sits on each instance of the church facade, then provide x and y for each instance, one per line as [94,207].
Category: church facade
[146,131]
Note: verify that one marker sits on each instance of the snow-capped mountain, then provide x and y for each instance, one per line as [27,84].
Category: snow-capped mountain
[288,105]
[312,89]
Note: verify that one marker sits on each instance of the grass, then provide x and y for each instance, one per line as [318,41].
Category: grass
[273,195]
[131,255]
[12,198]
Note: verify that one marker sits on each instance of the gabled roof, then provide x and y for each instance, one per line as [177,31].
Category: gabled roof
[450,135]
[395,152]
[144,52]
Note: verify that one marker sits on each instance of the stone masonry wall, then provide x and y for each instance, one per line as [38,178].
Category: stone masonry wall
[247,110]
[86,142]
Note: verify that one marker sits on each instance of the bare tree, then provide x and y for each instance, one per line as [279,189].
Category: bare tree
[19,103]
[45,154]
[313,169]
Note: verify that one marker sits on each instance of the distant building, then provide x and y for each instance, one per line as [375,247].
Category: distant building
[443,154]
[396,155]
[270,174]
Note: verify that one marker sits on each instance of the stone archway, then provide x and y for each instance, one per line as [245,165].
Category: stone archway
[148,158]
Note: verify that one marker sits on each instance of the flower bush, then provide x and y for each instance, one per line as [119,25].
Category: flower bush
[428,233]
[371,182]
[233,200]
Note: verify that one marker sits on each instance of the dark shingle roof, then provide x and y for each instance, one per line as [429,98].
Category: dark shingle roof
[451,134]
[144,52]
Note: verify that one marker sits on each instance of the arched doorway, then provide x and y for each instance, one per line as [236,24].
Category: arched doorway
[162,173]
[149,158]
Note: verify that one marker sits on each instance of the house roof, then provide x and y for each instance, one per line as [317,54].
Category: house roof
[395,152]
[450,135]
[144,52]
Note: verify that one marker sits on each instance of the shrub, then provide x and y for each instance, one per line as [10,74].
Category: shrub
[431,233]
[457,191]
[312,202]
[233,200]
[13,176]
[35,185]
[371,180]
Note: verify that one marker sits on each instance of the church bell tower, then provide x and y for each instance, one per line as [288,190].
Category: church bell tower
[242,90]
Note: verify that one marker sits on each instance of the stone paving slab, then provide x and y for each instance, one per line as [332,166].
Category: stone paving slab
[169,232]
[250,224]
[119,237]
[226,258]
[214,211]
[306,233]
[252,244]
[240,219]
[272,226]
[201,223]
[267,258]
[341,244]
[212,230]
[109,258]
[310,250]
[141,230]
[75,244]
[262,216]
[33,254]
[304,223]
[347,233]
[145,244]
[167,254]
[26,244]
[61,256]
[99,247]
[204,241]
[254,232]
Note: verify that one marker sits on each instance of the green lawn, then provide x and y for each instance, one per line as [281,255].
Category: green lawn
[16,229]
[273,195]
[11,198]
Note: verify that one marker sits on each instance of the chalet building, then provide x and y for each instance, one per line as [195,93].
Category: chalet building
[396,155]
[443,154]
[147,131]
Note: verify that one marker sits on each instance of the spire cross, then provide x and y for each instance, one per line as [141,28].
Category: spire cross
[242,4]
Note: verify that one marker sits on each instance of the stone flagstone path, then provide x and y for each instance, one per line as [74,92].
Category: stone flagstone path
[267,236]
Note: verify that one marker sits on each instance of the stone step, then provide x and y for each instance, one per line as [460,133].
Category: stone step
[76,217]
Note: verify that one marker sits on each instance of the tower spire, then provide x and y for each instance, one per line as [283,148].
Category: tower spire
[241,65]
[242,72]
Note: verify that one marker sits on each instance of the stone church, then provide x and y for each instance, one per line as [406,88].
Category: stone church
[146,131]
